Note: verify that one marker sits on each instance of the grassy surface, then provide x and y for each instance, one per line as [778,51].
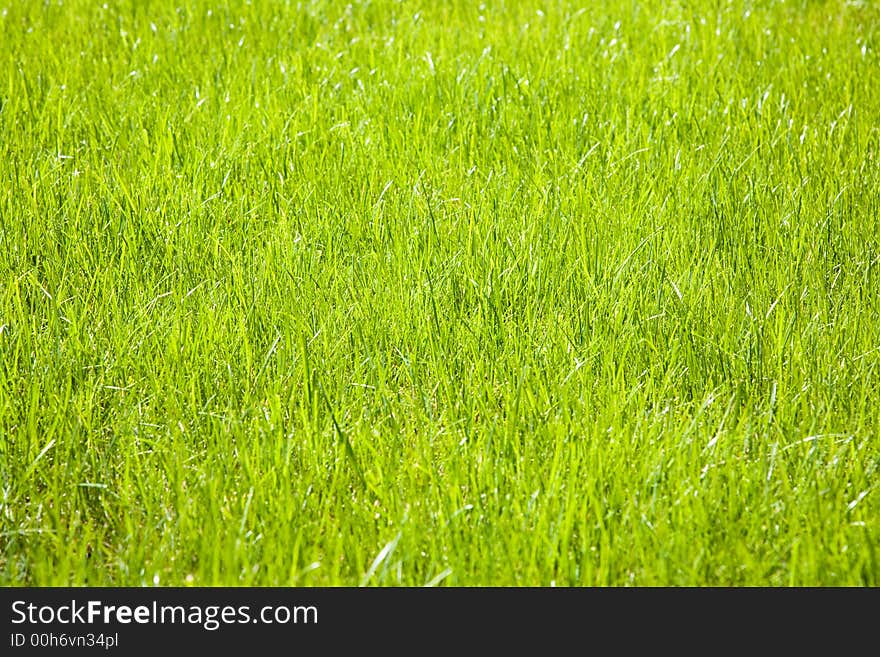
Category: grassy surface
[510,293]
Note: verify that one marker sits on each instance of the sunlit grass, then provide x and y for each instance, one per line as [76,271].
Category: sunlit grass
[449,293]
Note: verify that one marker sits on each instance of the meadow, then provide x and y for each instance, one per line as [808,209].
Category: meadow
[440,293]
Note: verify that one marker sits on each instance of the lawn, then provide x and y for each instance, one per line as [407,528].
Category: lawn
[447,293]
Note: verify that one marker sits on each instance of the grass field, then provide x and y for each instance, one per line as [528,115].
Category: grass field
[446,293]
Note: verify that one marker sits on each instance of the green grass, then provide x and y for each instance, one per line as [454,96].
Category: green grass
[397,293]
